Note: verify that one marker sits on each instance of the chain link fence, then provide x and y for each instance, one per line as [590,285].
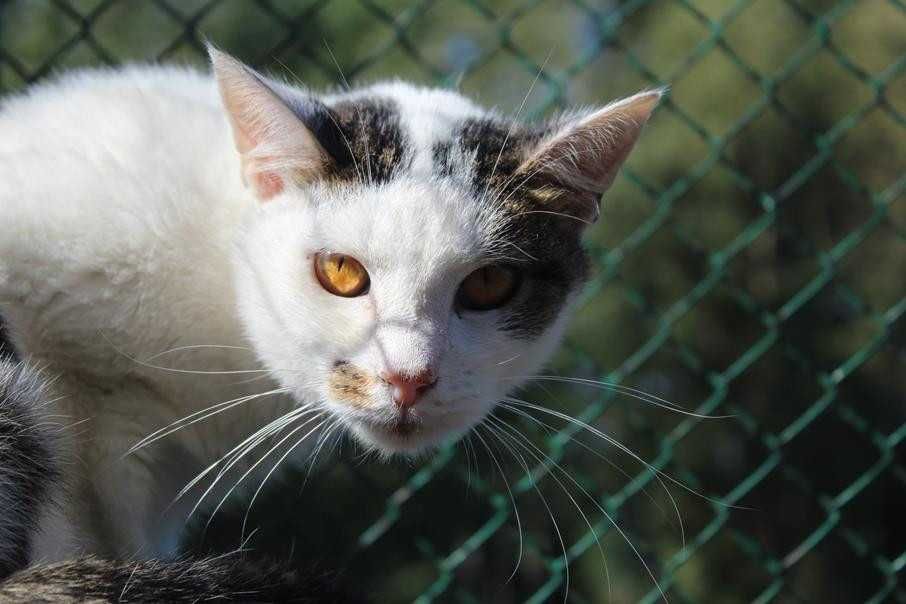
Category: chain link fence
[751,264]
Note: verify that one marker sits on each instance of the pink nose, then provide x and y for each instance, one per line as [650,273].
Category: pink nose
[407,389]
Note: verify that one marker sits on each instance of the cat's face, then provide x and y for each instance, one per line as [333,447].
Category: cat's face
[415,244]
[413,258]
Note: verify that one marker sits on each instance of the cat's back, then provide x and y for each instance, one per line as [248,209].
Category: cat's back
[91,109]
[107,136]
[115,182]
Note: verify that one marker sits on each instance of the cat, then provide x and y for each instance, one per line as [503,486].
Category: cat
[215,267]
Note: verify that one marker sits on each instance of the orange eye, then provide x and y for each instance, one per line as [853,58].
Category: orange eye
[488,287]
[341,275]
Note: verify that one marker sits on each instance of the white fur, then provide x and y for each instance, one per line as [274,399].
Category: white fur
[127,231]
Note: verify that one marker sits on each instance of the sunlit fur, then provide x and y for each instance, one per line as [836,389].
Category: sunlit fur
[134,255]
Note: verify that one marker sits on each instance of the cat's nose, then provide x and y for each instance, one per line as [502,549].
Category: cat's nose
[408,388]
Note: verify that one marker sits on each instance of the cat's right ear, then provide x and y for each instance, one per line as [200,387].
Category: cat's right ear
[583,155]
[276,147]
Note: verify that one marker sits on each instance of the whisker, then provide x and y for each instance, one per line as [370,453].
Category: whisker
[197,417]
[337,65]
[625,450]
[545,459]
[240,450]
[174,369]
[503,426]
[355,163]
[512,500]
[547,506]
[256,464]
[657,473]
[469,447]
[313,456]
[627,390]
[336,447]
[511,359]
[256,378]
[514,121]
[559,214]
[521,251]
[550,429]
[248,509]
[195,347]
[273,469]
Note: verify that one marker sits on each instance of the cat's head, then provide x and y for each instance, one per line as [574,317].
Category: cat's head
[413,257]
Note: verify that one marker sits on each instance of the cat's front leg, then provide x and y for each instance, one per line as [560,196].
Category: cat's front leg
[114,509]
[135,510]
[115,502]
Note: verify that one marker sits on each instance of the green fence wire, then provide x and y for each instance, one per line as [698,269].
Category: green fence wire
[751,264]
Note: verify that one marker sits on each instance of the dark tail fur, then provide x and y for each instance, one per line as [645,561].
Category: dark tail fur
[27,465]
[230,578]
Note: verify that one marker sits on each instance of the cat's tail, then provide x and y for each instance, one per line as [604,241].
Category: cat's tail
[227,578]
[28,467]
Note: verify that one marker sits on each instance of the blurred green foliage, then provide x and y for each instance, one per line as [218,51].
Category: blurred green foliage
[751,261]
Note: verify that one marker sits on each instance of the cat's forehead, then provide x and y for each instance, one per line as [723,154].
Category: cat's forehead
[427,224]
[394,130]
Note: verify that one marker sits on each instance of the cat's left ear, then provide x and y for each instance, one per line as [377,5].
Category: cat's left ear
[276,147]
[585,154]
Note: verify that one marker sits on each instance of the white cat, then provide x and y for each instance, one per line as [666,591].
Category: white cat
[389,261]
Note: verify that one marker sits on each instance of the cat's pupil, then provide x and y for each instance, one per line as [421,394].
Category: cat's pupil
[341,275]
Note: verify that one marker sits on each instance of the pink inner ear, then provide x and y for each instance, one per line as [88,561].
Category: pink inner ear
[587,154]
[274,144]
[267,185]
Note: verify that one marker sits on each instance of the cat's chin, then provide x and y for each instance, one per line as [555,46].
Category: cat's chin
[410,439]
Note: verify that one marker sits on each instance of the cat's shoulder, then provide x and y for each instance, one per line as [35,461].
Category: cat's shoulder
[105,106]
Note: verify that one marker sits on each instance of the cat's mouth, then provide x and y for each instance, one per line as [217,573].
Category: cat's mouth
[403,434]
[404,426]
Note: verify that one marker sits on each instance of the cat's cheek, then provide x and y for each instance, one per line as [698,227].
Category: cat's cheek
[350,386]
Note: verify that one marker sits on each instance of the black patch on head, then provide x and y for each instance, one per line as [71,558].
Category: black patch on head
[363,137]
[539,234]
[498,149]
[442,158]
[27,465]
[231,578]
